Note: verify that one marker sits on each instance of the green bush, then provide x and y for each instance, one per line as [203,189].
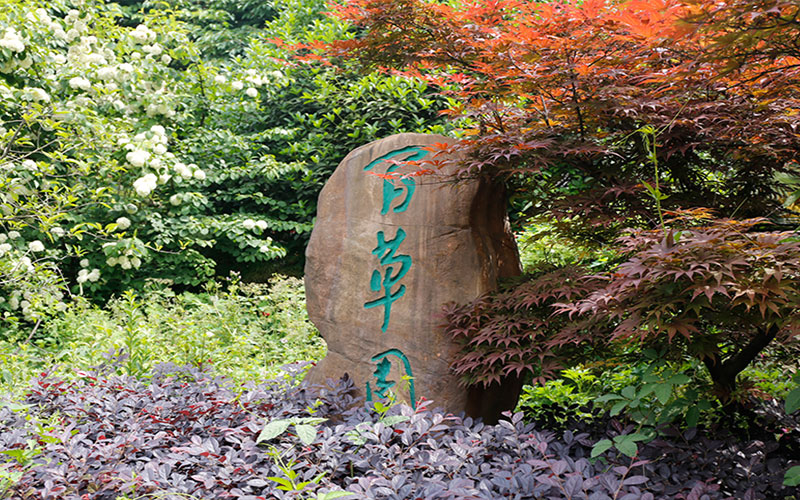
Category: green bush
[245,332]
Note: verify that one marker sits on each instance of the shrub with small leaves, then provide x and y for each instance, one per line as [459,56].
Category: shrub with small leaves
[184,433]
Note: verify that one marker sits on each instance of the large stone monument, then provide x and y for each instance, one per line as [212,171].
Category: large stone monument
[385,255]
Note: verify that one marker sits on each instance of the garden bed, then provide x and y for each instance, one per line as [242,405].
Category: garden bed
[182,434]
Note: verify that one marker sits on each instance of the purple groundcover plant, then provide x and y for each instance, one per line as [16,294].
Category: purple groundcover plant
[182,434]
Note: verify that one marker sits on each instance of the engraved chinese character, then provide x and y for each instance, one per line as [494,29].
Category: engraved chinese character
[382,372]
[390,192]
[386,251]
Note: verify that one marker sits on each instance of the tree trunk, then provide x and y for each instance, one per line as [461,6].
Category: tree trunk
[724,373]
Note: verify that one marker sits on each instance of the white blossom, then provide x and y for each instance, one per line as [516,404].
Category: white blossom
[153,50]
[199,175]
[166,59]
[137,158]
[26,263]
[249,224]
[39,94]
[107,73]
[36,246]
[251,92]
[145,185]
[57,231]
[4,248]
[262,224]
[159,149]
[94,275]
[183,170]
[80,82]
[123,223]
[158,130]
[12,41]
[136,262]
[143,34]
[84,263]
[175,199]
[13,235]
[29,165]
[220,79]
[237,85]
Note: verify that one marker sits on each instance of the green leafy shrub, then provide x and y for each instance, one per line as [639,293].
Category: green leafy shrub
[244,332]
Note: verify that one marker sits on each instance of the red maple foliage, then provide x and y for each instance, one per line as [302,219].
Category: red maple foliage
[583,107]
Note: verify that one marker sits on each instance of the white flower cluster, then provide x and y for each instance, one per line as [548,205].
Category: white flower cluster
[145,185]
[189,171]
[123,223]
[142,34]
[37,94]
[152,50]
[33,303]
[124,261]
[40,16]
[88,53]
[150,149]
[251,224]
[36,246]
[77,24]
[4,246]
[12,41]
[79,82]
[85,275]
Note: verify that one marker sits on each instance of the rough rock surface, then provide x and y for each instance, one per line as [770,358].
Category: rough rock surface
[385,255]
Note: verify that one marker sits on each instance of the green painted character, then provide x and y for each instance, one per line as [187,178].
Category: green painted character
[386,251]
[382,372]
[390,193]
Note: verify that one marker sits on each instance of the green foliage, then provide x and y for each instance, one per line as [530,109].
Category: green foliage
[245,332]
[792,477]
[304,428]
[542,246]
[134,146]
[562,399]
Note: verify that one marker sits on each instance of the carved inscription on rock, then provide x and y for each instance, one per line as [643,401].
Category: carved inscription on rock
[385,255]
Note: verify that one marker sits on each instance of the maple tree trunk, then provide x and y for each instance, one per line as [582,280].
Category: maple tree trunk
[724,373]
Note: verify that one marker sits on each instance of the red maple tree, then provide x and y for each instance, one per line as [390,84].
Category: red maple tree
[604,114]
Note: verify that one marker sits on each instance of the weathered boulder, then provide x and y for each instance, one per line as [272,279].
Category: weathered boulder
[384,257]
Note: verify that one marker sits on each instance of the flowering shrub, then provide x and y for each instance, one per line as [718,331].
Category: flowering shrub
[124,155]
